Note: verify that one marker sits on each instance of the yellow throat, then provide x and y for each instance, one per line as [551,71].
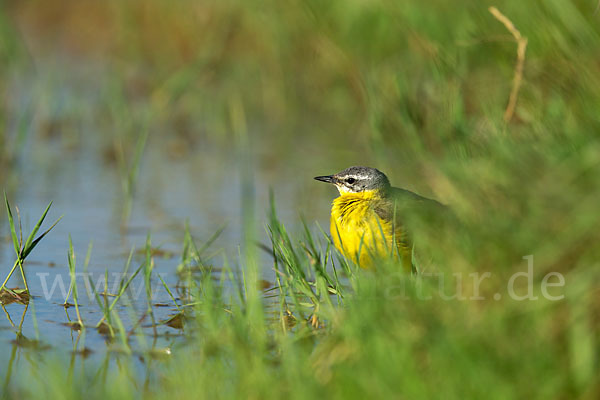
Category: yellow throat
[362,235]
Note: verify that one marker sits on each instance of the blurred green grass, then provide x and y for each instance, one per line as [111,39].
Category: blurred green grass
[397,80]
[417,89]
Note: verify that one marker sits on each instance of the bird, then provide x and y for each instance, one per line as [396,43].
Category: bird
[368,217]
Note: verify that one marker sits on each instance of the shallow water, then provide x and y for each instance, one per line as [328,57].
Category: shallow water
[203,188]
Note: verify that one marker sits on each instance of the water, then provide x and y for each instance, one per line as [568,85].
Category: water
[203,188]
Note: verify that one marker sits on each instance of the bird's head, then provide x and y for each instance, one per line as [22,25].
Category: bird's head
[357,179]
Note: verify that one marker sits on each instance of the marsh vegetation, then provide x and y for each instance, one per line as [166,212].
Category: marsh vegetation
[178,140]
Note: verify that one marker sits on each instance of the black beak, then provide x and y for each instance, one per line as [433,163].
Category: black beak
[326,178]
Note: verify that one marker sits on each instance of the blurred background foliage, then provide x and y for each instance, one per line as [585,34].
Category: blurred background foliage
[394,80]
[417,89]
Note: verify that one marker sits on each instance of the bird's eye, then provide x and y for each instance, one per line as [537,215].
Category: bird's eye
[350,180]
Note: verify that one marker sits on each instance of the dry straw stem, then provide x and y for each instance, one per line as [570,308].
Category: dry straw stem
[521,47]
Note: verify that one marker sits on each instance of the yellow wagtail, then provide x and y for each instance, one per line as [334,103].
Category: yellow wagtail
[366,219]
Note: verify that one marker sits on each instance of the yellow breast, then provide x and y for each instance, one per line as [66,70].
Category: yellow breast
[362,235]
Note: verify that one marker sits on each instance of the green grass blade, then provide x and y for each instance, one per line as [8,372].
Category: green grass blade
[37,228]
[121,331]
[13,232]
[210,241]
[122,290]
[71,261]
[169,292]
[124,287]
[28,248]
[88,255]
